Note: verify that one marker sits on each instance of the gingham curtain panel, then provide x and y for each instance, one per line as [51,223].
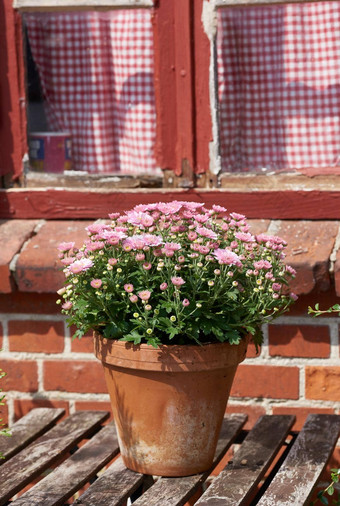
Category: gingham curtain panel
[96,72]
[279,86]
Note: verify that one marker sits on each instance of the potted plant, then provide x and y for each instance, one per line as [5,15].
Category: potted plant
[172,292]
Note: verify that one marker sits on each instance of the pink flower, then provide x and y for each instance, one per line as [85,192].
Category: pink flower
[147,266]
[237,217]
[140,218]
[66,246]
[94,245]
[67,260]
[201,218]
[185,302]
[170,207]
[177,281]
[225,256]
[293,296]
[206,232]
[276,287]
[140,257]
[80,265]
[114,216]
[173,246]
[144,294]
[262,264]
[97,228]
[163,286]
[219,209]
[244,236]
[181,259]
[96,283]
[128,287]
[192,235]
[133,298]
[112,261]
[290,270]
[204,250]
[67,305]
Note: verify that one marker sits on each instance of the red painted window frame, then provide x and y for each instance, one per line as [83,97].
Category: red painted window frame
[184,131]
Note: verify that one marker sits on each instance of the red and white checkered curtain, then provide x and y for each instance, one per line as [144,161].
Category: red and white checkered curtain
[279,86]
[96,71]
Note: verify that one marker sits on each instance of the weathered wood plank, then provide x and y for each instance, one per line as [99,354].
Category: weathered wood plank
[28,428]
[113,487]
[236,482]
[176,491]
[85,204]
[253,3]
[72,474]
[38,456]
[294,481]
[61,5]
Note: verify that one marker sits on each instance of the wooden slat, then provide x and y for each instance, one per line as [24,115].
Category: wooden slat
[72,474]
[253,3]
[61,5]
[294,481]
[28,428]
[113,487]
[236,482]
[38,456]
[176,491]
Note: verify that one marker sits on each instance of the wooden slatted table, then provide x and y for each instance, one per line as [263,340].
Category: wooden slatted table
[271,465]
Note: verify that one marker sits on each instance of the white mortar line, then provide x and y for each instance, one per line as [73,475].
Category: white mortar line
[5,342]
[31,316]
[302,383]
[40,374]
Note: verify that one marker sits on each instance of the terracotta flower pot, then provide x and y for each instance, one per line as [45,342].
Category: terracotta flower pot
[168,403]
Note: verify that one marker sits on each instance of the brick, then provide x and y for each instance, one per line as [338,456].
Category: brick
[19,302]
[1,336]
[83,345]
[13,233]
[322,383]
[300,413]
[24,406]
[326,300]
[94,405]
[258,226]
[276,382]
[74,376]
[36,336]
[253,412]
[38,268]
[299,341]
[251,351]
[310,244]
[22,375]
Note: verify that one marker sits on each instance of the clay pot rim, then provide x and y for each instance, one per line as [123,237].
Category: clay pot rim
[173,358]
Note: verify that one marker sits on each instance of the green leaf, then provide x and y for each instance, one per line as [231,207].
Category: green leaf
[330,490]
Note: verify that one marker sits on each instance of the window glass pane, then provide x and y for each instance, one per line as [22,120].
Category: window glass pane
[90,79]
[279,86]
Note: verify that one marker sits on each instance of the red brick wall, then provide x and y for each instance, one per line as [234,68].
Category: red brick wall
[296,371]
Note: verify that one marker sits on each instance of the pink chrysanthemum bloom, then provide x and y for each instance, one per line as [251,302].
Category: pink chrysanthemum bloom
[139,218]
[80,265]
[290,270]
[276,287]
[67,260]
[219,209]
[237,217]
[67,305]
[169,208]
[144,294]
[206,232]
[192,235]
[262,264]
[225,256]
[163,286]
[293,296]
[128,287]
[186,302]
[147,266]
[204,250]
[177,281]
[66,246]
[96,283]
[174,246]
[244,236]
[133,298]
[181,259]
[94,245]
[112,261]
[140,257]
[97,228]
[114,216]
[201,218]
